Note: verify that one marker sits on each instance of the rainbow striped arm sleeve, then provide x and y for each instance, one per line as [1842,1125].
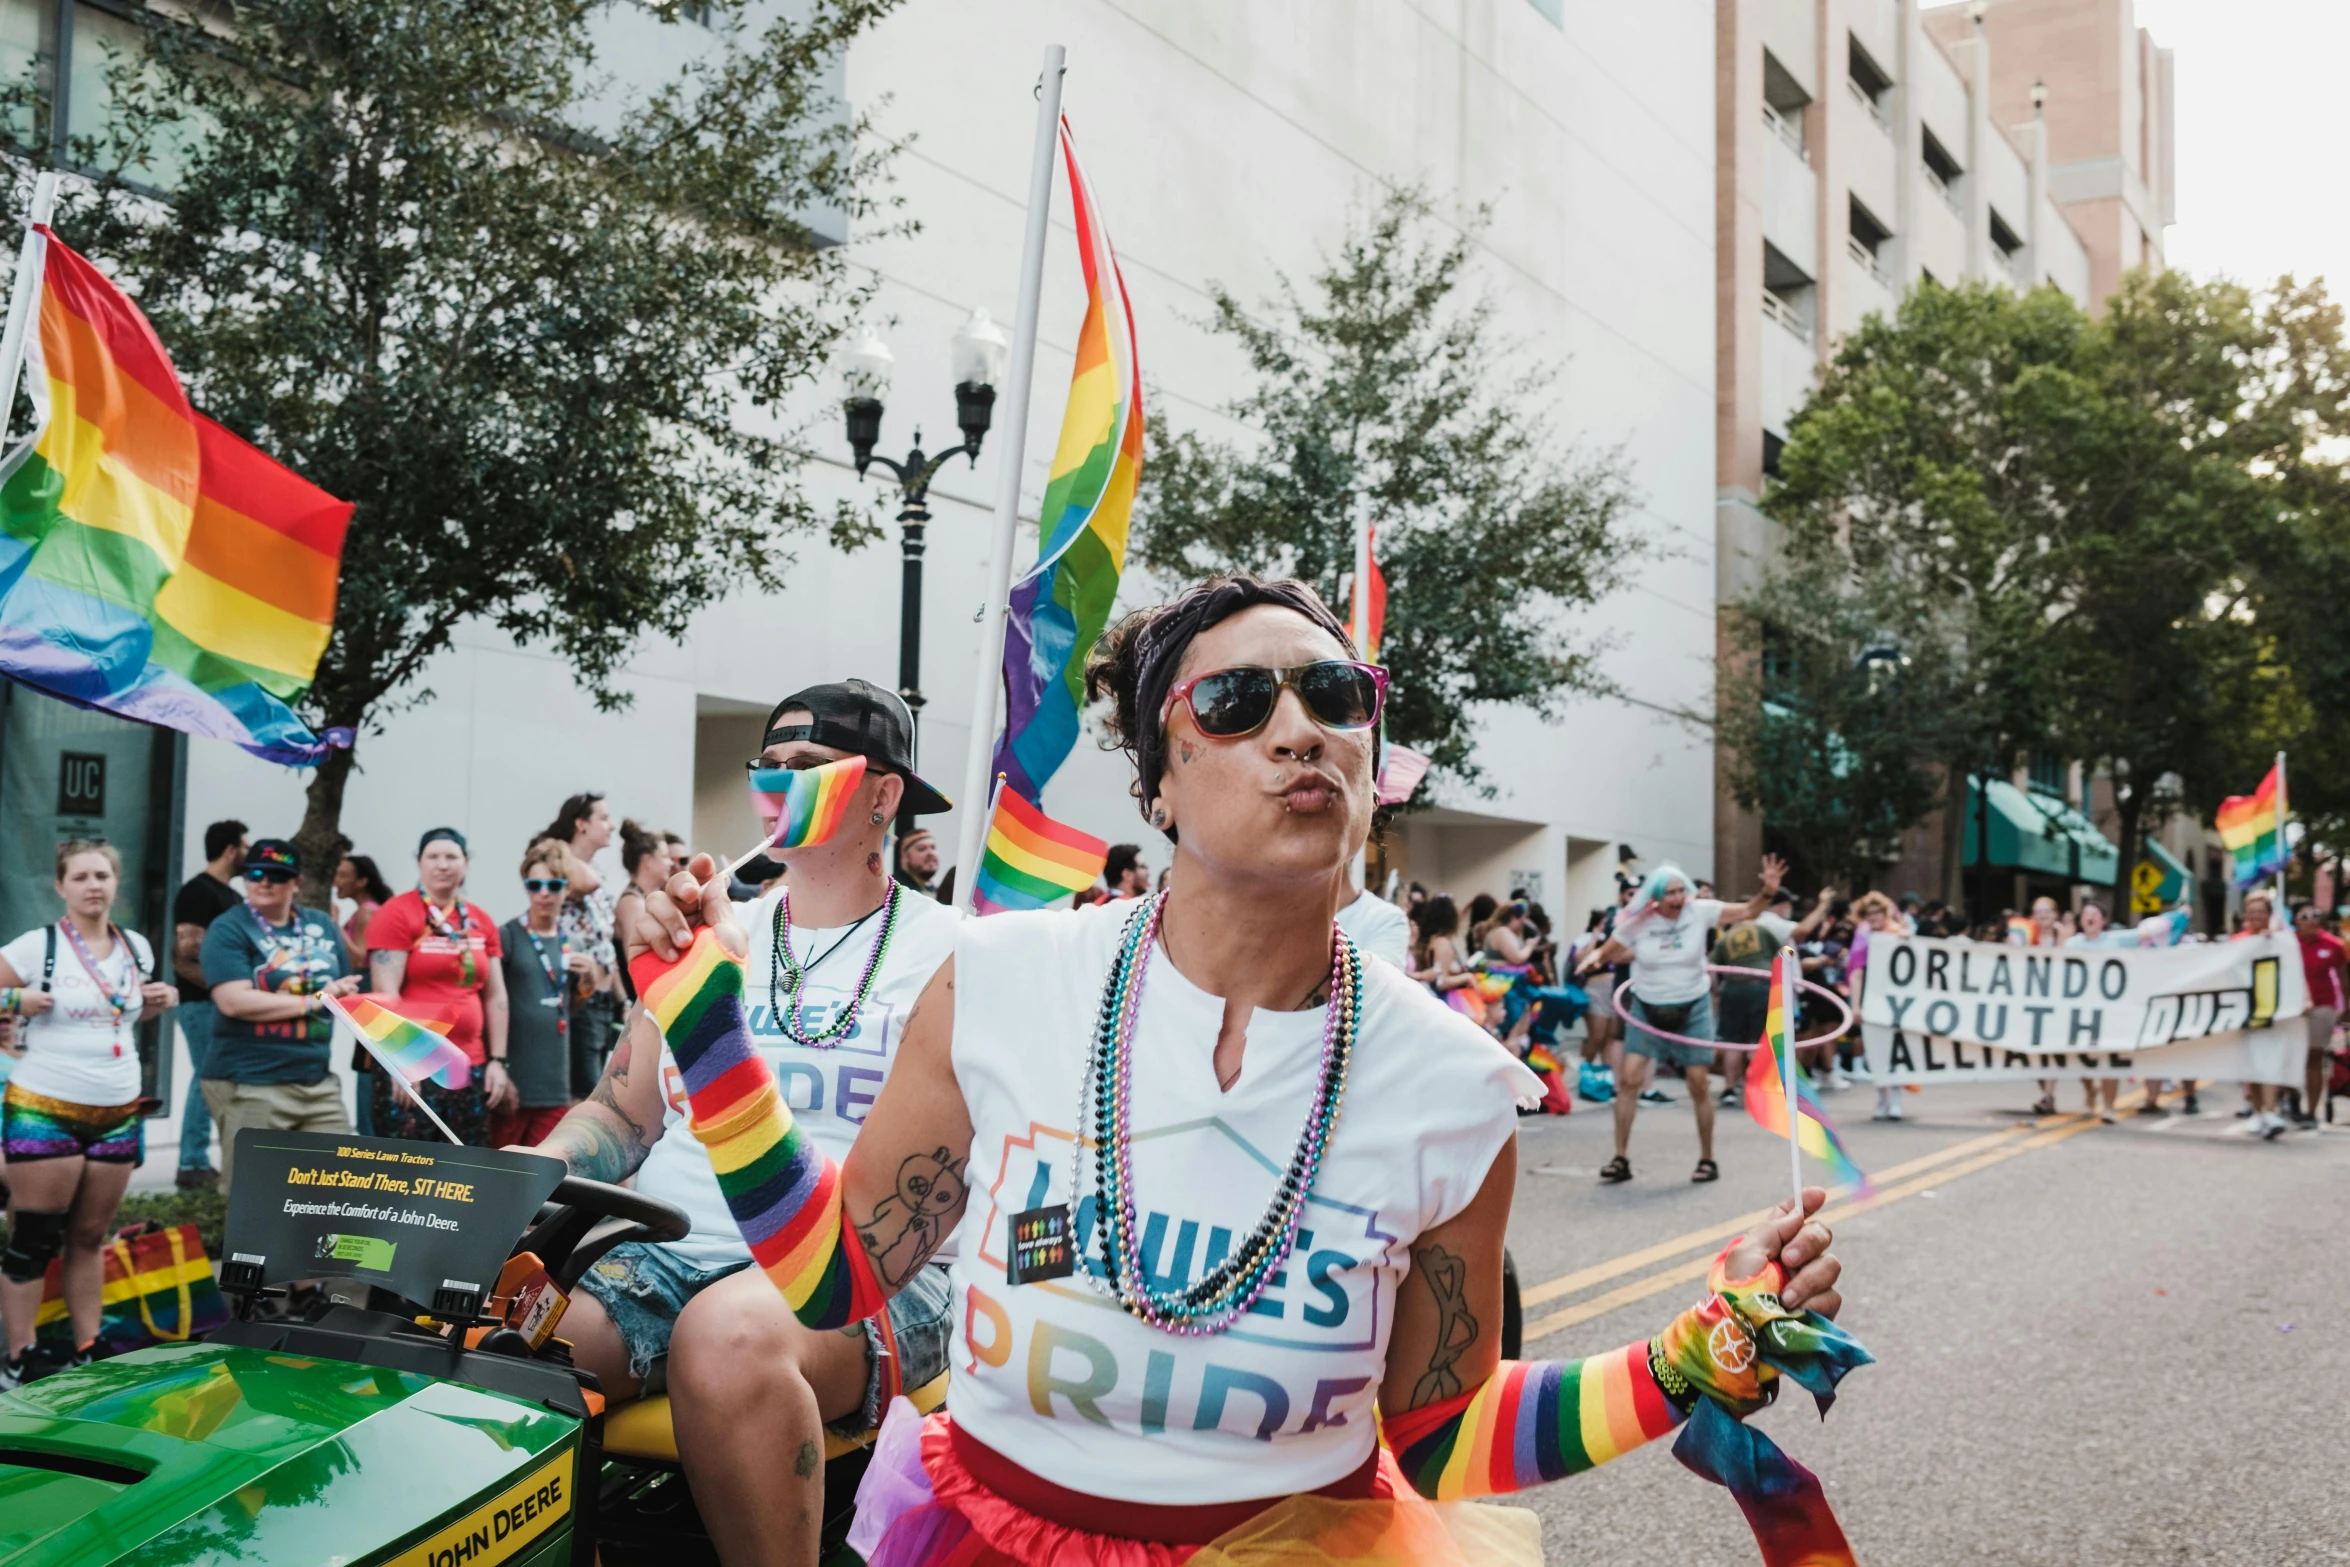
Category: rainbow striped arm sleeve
[1534,1421]
[784,1193]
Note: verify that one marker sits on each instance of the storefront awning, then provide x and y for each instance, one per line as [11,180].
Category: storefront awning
[2035,833]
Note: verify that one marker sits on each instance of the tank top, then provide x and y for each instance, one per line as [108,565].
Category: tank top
[1055,1375]
[831,1088]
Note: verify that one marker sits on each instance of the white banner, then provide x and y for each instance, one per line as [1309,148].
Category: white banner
[1939,1011]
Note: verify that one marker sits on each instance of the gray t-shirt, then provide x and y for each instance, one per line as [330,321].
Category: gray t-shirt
[538,1015]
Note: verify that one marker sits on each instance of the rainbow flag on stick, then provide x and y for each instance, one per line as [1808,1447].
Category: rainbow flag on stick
[151,563]
[1058,610]
[411,1049]
[2253,828]
[1030,859]
[1772,1067]
[803,808]
[1556,1100]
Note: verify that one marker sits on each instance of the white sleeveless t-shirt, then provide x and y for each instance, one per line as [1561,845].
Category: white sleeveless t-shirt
[830,1088]
[1054,1375]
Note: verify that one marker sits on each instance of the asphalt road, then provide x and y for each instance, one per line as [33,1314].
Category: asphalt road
[2094,1344]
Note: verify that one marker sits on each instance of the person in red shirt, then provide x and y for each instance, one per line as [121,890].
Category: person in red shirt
[2324,961]
[434,957]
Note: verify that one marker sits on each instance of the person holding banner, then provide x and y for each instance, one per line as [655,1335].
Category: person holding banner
[1663,932]
[2322,964]
[2095,930]
[1212,1035]
[838,956]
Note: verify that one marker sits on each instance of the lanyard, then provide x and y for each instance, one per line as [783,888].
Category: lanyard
[466,976]
[556,989]
[119,1001]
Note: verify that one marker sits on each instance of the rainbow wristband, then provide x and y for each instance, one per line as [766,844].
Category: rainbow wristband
[11,998]
[783,1191]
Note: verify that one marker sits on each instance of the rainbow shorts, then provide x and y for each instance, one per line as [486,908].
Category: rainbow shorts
[35,1126]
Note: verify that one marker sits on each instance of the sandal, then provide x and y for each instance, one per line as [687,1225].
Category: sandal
[1706,1170]
[1617,1169]
[2045,1106]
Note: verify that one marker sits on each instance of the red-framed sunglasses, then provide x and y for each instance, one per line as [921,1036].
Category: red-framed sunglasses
[1231,703]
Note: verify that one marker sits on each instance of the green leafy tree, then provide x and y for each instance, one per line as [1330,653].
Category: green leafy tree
[1832,717]
[1384,392]
[537,328]
[1915,466]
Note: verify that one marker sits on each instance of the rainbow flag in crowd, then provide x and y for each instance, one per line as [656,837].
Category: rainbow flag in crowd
[1367,638]
[803,807]
[2253,828]
[1556,1100]
[408,1046]
[1766,1085]
[1031,859]
[151,563]
[1060,607]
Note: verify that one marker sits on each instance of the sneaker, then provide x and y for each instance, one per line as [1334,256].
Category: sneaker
[2108,1117]
[1729,1095]
[2153,1107]
[196,1178]
[1837,1081]
[14,1370]
[2305,1123]
[2193,1106]
[2271,1126]
[1656,1096]
[1893,1110]
[2245,1112]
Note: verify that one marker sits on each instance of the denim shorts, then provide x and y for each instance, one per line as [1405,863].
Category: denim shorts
[643,1288]
[1641,1042]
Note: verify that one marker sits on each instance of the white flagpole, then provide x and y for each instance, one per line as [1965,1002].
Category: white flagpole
[406,1087]
[24,298]
[2278,912]
[1011,457]
[1362,636]
[1787,973]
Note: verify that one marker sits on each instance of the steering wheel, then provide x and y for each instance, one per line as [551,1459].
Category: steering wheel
[583,1219]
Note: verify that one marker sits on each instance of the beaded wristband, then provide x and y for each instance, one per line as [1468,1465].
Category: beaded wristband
[11,999]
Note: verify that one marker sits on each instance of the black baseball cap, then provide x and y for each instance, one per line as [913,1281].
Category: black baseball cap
[273,854]
[865,720]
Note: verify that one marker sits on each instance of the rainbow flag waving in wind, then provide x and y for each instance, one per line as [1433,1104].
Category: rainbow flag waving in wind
[1059,608]
[1766,1092]
[412,1048]
[151,563]
[2253,827]
[1031,859]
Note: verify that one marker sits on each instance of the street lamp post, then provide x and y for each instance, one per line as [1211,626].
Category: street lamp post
[980,349]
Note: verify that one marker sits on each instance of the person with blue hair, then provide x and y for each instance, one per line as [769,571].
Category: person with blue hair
[1665,932]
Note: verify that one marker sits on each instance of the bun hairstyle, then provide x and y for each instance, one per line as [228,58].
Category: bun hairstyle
[1135,662]
[636,842]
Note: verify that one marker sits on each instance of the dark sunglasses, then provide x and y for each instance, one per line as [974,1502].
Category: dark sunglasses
[544,884]
[1230,703]
[268,873]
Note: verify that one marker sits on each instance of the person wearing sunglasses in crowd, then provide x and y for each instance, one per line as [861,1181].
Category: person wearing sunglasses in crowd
[270,965]
[69,1117]
[841,951]
[541,965]
[434,957]
[1204,1039]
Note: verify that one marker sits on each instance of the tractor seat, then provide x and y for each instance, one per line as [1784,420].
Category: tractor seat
[641,1430]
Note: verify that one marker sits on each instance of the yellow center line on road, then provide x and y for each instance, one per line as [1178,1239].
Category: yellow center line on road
[1901,1181]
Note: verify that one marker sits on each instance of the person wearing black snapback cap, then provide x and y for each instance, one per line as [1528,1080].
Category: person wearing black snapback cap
[838,956]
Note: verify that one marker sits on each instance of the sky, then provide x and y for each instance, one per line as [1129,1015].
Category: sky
[2260,127]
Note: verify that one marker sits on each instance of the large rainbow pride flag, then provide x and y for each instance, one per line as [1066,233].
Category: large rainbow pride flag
[2253,828]
[1766,1091]
[151,563]
[1060,607]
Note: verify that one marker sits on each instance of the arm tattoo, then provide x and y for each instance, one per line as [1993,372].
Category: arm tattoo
[387,971]
[1456,1329]
[600,1140]
[913,1221]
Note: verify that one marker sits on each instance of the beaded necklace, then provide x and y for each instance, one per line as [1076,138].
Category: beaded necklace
[462,936]
[789,972]
[121,1000]
[1105,1105]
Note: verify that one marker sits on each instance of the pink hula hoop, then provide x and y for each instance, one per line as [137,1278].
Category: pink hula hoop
[1645,1027]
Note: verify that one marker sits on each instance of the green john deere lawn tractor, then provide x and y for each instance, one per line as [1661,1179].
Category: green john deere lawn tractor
[450,1430]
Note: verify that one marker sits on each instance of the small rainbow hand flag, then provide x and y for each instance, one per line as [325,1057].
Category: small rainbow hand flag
[410,1047]
[1556,1100]
[1496,980]
[1766,1093]
[2253,827]
[1032,859]
[803,808]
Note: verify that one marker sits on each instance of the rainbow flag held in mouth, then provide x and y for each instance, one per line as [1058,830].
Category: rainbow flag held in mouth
[2253,828]
[1031,859]
[152,564]
[1058,610]
[411,1047]
[804,807]
[1766,1091]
